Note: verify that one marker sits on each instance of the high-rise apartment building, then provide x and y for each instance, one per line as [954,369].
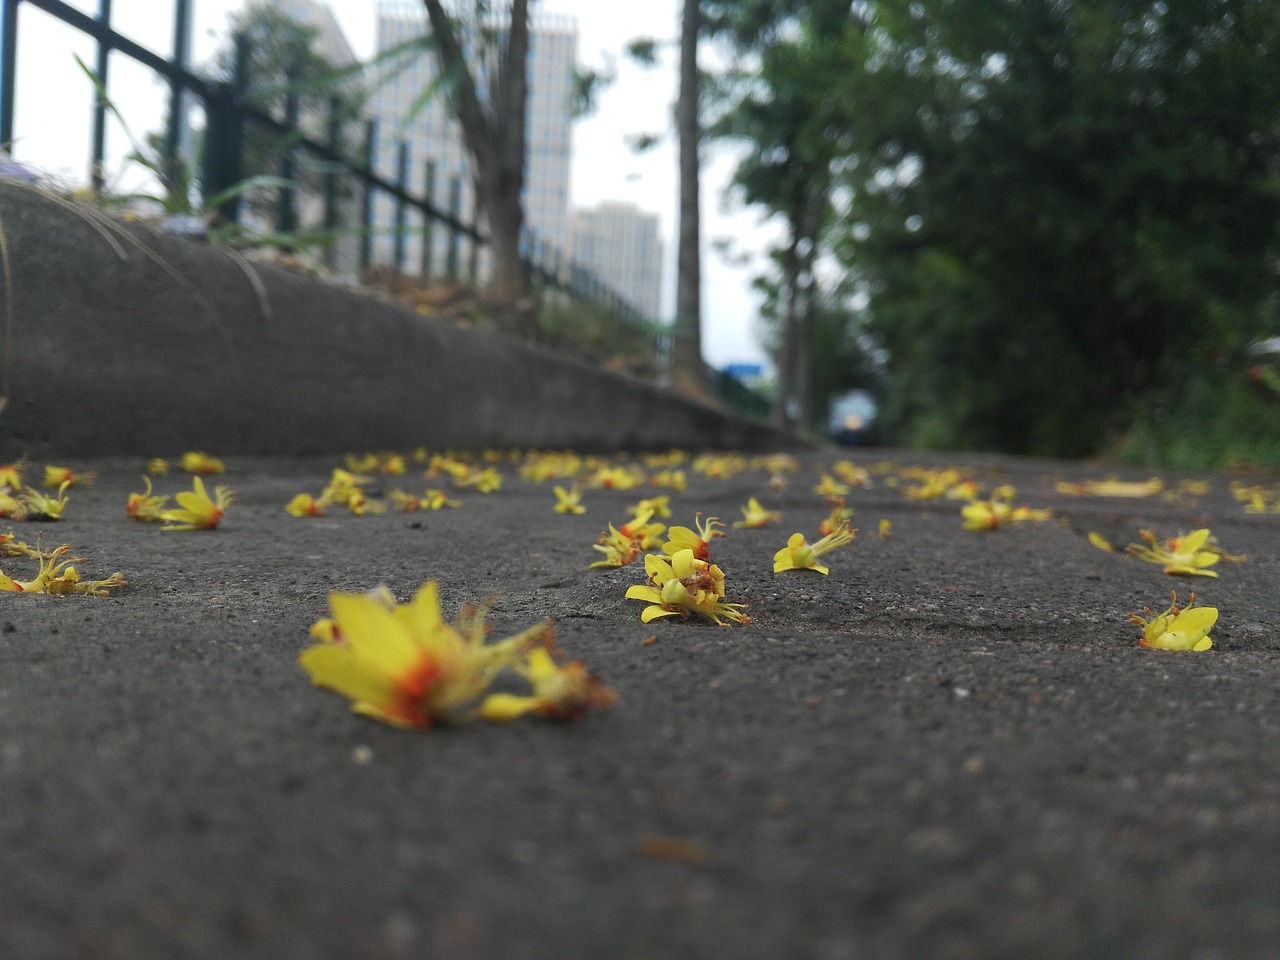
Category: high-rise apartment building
[434,137]
[620,244]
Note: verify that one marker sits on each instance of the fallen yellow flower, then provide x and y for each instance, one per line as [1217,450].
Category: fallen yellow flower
[199,462]
[755,516]
[699,540]
[197,510]
[682,585]
[565,692]
[56,574]
[659,507]
[404,665]
[58,478]
[305,505]
[799,554]
[568,501]
[1185,629]
[1112,488]
[145,507]
[1189,555]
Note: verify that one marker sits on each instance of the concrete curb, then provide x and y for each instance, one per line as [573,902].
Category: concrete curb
[130,342]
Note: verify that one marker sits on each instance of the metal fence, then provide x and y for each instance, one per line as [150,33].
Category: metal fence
[227,111]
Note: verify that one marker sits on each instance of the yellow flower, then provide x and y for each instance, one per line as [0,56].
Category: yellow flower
[559,692]
[839,514]
[755,516]
[199,462]
[158,467]
[616,478]
[798,554]
[403,665]
[684,585]
[569,501]
[618,549]
[58,478]
[719,466]
[343,487]
[1023,514]
[1185,629]
[852,475]
[11,476]
[34,505]
[486,481]
[699,540]
[644,534]
[360,505]
[197,510]
[659,507]
[57,573]
[144,507]
[436,499]
[831,487]
[985,514]
[305,505]
[366,464]
[1101,542]
[886,528]
[1111,488]
[1190,555]
[672,479]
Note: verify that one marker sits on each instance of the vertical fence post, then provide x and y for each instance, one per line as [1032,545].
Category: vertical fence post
[221,163]
[428,224]
[97,179]
[401,218]
[8,70]
[333,141]
[455,214]
[172,161]
[287,215]
[366,206]
[473,261]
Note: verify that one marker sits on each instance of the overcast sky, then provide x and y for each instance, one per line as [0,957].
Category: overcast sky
[52,128]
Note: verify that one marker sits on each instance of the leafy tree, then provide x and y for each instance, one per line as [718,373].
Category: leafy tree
[483,54]
[1064,214]
[686,346]
[780,103]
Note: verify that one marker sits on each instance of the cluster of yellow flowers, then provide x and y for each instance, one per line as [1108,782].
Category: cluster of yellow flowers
[999,509]
[21,502]
[1256,498]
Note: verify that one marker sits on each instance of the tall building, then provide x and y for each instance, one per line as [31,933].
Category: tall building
[435,142]
[619,243]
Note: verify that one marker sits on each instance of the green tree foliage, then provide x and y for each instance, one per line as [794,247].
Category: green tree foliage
[1064,214]
[782,102]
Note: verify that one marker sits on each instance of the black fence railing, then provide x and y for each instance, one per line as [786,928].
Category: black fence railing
[227,111]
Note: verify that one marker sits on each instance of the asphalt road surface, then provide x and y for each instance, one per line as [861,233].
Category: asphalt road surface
[951,747]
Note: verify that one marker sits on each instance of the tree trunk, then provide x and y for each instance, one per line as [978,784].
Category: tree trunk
[495,140]
[686,348]
[789,351]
